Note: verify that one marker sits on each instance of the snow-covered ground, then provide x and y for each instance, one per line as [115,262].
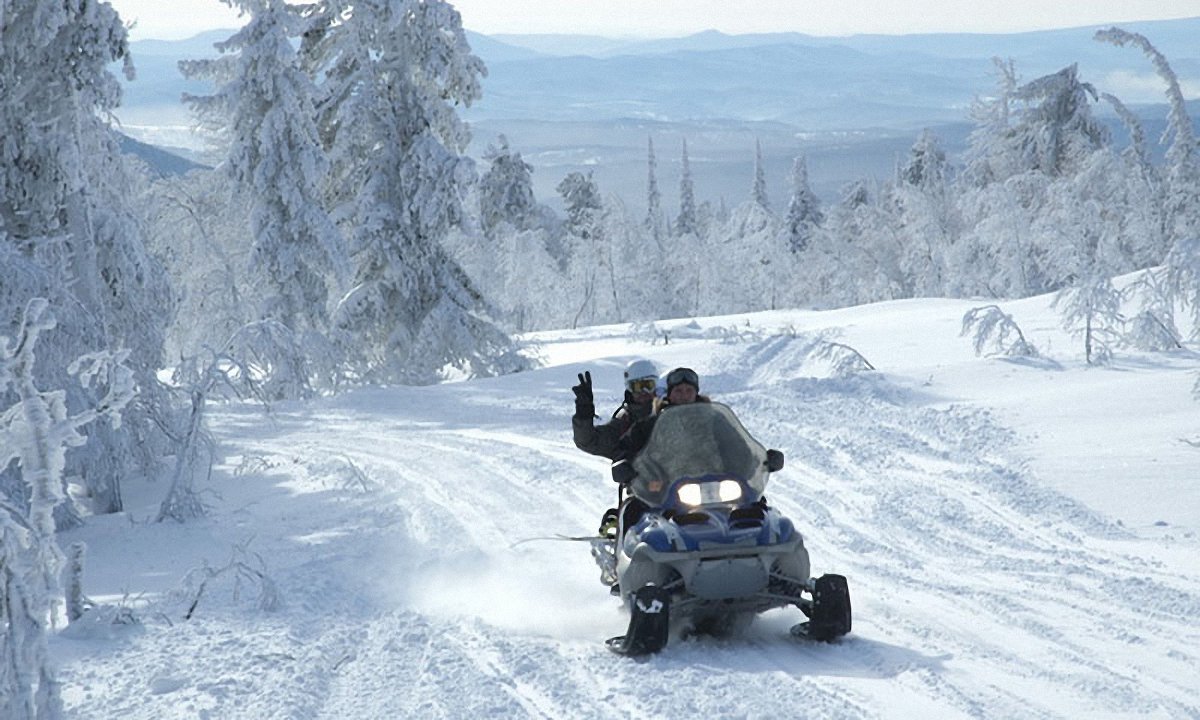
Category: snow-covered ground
[1020,537]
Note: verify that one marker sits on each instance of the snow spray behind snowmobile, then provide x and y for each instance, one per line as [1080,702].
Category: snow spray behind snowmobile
[710,554]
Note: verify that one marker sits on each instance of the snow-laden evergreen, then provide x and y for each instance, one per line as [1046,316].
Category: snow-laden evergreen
[506,190]
[804,214]
[267,108]
[758,192]
[686,222]
[68,234]
[655,220]
[391,74]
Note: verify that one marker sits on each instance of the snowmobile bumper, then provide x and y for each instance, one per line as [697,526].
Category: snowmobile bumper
[725,573]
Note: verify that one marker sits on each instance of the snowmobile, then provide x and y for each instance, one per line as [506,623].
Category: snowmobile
[709,554]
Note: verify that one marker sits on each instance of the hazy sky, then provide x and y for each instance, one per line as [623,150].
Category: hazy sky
[172,19]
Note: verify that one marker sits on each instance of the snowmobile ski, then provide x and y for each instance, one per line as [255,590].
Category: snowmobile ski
[649,623]
[829,616]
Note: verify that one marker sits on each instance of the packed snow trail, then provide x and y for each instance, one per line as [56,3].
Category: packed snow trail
[976,592]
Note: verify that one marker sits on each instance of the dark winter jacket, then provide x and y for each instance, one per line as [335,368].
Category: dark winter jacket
[638,435]
[604,439]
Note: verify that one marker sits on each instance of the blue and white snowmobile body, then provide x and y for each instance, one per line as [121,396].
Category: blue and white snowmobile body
[710,554]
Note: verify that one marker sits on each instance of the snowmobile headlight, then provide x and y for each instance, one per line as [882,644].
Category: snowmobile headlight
[729,490]
[724,491]
[690,494]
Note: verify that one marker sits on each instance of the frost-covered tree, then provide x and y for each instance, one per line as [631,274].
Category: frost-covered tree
[1084,222]
[1028,138]
[591,262]
[1043,126]
[639,290]
[391,76]
[581,198]
[1137,149]
[527,270]
[804,214]
[1181,180]
[996,256]
[1143,185]
[506,189]
[758,192]
[989,325]
[654,212]
[985,161]
[926,165]
[686,223]
[264,103]
[199,225]
[69,228]
[518,251]
[1057,132]
[35,432]
[926,217]
[1153,327]
[758,268]
[855,256]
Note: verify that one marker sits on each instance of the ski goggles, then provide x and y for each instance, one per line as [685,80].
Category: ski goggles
[683,375]
[642,385]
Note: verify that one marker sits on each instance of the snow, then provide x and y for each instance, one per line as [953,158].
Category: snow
[1020,538]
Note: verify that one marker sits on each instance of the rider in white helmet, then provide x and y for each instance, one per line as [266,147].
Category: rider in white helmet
[641,385]
[641,381]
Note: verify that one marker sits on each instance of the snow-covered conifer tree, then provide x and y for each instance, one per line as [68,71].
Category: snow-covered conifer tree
[590,257]
[927,225]
[1051,131]
[758,193]
[1057,132]
[804,209]
[506,189]
[64,207]
[851,260]
[581,198]
[654,212]
[1013,158]
[391,75]
[686,223]
[266,105]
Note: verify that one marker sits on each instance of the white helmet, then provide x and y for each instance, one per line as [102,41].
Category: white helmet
[639,370]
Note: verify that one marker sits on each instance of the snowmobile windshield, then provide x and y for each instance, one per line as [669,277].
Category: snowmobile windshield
[700,440]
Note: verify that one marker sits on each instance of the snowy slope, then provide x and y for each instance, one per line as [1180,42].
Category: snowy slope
[1020,540]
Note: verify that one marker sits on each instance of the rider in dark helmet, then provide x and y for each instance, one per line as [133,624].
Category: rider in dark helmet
[683,388]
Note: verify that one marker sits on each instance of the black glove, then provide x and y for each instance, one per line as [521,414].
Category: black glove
[585,406]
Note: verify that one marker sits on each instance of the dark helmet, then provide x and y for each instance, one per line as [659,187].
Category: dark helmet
[682,375]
